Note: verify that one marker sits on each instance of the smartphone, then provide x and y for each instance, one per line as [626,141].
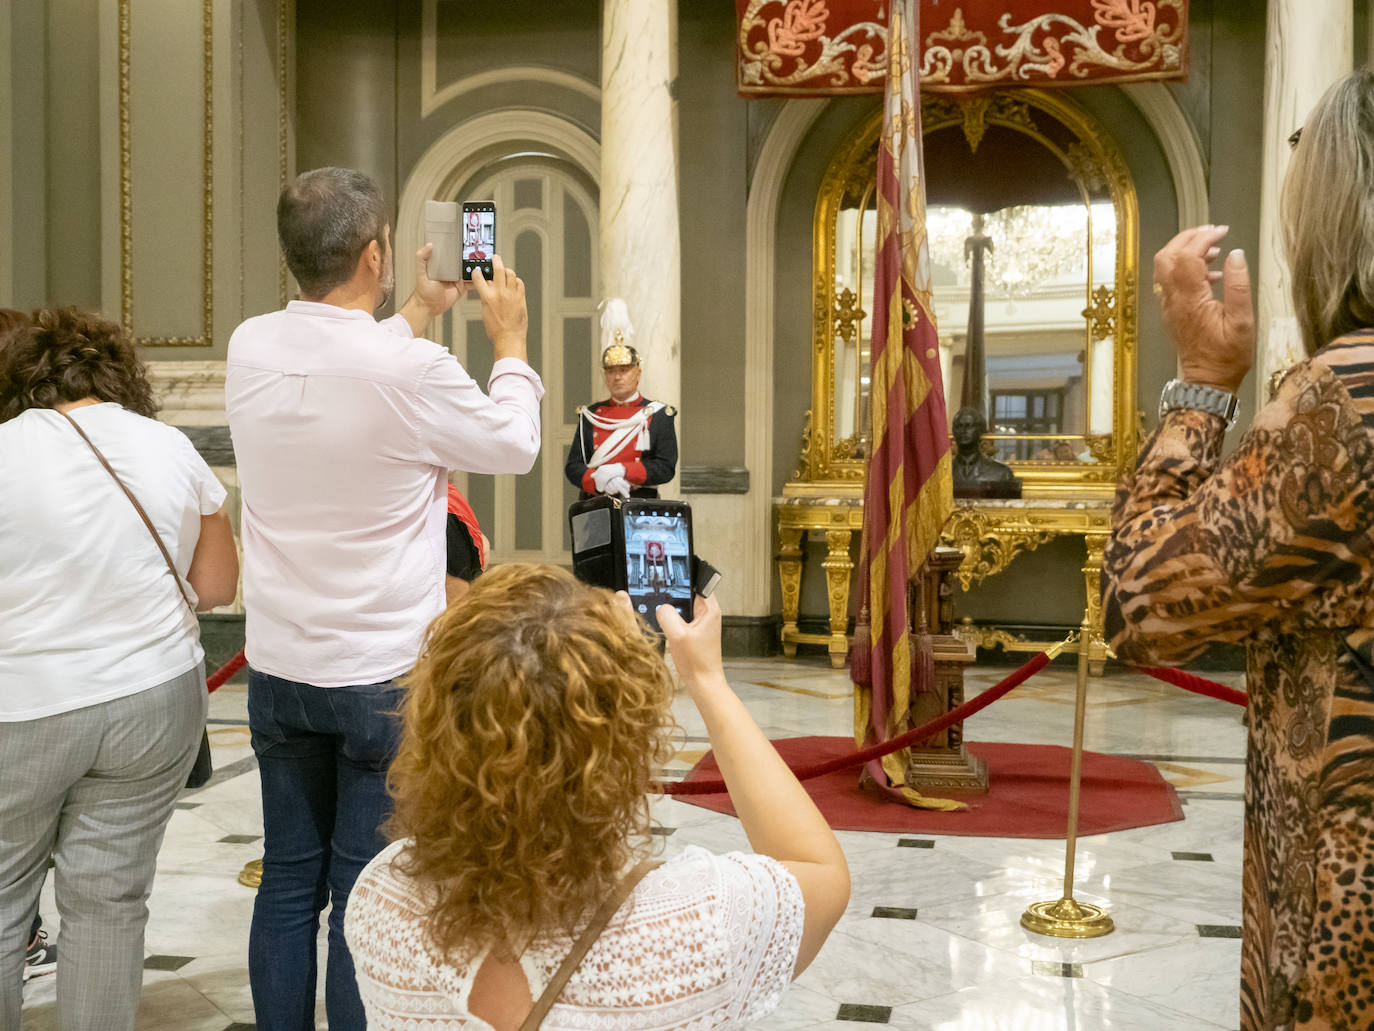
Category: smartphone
[479,237]
[658,558]
[641,546]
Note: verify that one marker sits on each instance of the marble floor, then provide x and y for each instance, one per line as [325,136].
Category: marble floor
[931,939]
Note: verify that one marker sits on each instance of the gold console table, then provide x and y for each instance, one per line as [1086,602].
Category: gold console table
[841,519]
[990,534]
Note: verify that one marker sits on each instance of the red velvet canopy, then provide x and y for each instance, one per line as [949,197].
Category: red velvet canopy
[828,47]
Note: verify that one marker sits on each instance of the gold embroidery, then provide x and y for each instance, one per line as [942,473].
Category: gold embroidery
[784,47]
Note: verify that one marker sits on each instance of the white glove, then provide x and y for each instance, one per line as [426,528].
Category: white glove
[603,474]
[619,485]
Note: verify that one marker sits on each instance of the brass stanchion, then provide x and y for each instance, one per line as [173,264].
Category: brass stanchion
[251,874]
[1066,917]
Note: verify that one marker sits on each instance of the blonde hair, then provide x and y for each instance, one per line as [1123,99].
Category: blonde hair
[1328,214]
[532,725]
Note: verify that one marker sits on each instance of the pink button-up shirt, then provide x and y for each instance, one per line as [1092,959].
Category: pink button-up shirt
[343,431]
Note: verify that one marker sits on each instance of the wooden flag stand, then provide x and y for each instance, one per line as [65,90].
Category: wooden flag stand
[944,763]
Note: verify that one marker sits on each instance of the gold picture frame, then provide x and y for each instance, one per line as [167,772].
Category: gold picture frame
[830,466]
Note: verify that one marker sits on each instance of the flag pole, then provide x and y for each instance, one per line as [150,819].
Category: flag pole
[1067,917]
[861,645]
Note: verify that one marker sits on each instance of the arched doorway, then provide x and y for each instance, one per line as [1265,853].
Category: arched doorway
[540,170]
[546,229]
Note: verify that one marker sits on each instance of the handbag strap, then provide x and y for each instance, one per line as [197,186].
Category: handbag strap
[157,537]
[589,934]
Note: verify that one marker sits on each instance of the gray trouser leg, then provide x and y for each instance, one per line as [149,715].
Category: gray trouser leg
[119,767]
[30,805]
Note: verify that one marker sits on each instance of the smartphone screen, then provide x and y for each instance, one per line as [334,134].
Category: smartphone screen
[658,560]
[479,237]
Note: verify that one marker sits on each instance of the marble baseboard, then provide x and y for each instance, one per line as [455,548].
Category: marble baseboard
[221,635]
[709,479]
[819,625]
[213,442]
[744,637]
[1217,658]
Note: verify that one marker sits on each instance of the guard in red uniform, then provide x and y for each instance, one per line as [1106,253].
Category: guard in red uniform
[627,444]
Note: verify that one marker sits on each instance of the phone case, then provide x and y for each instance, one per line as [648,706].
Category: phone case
[642,546]
[444,230]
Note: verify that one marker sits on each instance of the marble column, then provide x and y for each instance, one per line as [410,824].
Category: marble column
[1309,44]
[640,250]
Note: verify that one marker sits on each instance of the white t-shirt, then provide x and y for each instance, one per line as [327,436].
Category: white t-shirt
[703,942]
[88,611]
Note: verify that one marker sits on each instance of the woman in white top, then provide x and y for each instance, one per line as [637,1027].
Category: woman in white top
[102,678]
[533,723]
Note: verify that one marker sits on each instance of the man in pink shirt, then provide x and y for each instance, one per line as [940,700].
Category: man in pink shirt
[344,429]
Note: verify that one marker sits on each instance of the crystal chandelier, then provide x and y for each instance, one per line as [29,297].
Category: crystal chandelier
[1033,245]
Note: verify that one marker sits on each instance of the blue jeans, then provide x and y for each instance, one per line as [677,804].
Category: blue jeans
[323,754]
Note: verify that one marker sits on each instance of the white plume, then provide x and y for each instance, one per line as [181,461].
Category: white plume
[615,316]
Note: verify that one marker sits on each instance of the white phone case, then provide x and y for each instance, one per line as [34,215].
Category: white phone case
[443,228]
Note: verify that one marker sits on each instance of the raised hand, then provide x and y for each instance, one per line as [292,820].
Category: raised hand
[431,297]
[503,309]
[695,646]
[437,295]
[1215,339]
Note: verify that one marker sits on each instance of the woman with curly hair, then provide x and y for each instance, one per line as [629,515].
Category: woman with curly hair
[1274,547]
[102,677]
[533,723]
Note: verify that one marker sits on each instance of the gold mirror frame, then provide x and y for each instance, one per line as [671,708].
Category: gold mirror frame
[1095,163]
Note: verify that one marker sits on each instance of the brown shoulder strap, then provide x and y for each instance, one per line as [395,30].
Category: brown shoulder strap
[590,933]
[157,537]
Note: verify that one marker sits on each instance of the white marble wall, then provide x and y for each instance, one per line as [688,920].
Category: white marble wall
[1309,45]
[191,393]
[640,249]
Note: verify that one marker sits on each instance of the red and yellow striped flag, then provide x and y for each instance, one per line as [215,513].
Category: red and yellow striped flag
[909,492]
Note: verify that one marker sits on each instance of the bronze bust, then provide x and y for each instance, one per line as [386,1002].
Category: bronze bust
[975,474]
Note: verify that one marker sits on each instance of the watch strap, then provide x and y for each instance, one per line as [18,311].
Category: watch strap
[1177,395]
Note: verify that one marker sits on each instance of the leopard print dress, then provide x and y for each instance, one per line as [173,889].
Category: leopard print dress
[1274,547]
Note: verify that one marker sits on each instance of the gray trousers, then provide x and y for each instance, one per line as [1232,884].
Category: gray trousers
[93,788]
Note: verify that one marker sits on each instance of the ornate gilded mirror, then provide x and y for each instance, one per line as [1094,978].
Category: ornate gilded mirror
[1033,234]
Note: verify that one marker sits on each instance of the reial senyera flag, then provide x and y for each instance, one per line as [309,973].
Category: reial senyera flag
[908,493]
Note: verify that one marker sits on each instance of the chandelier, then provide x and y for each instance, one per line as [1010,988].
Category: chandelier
[1033,245]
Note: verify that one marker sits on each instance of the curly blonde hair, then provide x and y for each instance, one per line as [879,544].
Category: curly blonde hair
[532,725]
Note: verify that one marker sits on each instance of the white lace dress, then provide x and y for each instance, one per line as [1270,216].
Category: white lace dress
[703,942]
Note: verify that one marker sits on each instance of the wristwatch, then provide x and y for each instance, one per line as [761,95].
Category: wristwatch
[1178,394]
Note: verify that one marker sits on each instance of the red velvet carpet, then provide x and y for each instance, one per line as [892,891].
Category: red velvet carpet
[1028,793]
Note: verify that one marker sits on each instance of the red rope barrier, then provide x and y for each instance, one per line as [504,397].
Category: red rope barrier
[911,737]
[1177,677]
[1197,685]
[219,676]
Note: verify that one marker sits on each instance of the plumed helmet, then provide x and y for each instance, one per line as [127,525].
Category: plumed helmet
[617,334]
